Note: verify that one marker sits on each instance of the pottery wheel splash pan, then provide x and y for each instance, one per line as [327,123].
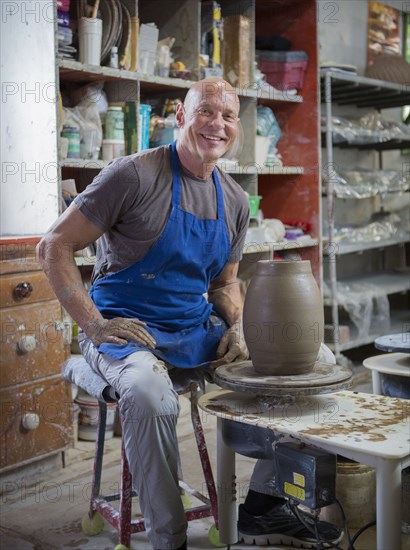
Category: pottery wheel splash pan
[324,378]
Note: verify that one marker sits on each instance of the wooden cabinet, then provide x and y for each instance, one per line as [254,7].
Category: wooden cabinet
[35,400]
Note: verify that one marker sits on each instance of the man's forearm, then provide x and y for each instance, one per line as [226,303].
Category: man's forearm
[227,301]
[65,279]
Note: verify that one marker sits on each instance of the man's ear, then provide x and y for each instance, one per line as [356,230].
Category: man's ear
[180,115]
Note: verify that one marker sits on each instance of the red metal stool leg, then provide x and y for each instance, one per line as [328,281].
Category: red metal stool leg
[99,453]
[203,452]
[124,527]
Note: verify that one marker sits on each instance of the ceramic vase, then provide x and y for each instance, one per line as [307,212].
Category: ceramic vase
[283,317]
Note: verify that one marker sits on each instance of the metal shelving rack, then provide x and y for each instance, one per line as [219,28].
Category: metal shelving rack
[342,88]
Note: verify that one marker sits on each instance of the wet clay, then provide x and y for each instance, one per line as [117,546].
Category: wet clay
[283,317]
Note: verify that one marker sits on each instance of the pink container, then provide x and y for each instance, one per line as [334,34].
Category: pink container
[284,75]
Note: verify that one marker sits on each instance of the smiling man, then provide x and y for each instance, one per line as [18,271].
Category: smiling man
[170,227]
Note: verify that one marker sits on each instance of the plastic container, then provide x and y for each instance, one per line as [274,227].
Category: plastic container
[262,145]
[114,123]
[254,201]
[114,57]
[144,126]
[89,144]
[88,418]
[90,38]
[283,70]
[112,148]
[284,76]
[72,134]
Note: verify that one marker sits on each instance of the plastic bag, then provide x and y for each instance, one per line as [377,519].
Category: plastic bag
[87,118]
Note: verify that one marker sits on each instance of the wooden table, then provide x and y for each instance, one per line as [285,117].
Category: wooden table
[367,428]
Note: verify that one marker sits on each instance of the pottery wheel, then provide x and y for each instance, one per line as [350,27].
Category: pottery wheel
[324,378]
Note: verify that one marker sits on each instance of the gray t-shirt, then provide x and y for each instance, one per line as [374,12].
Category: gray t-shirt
[130,200]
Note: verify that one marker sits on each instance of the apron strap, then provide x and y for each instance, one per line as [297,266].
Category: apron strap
[176,179]
[219,196]
[176,184]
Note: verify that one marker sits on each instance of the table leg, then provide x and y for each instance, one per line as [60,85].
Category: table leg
[388,499]
[376,386]
[226,490]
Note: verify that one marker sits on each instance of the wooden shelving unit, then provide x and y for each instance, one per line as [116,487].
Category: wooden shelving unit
[290,192]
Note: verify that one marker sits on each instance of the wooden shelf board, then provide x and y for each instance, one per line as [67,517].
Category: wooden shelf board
[74,71]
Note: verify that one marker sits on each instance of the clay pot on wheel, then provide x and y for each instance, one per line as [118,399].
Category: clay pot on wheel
[283,318]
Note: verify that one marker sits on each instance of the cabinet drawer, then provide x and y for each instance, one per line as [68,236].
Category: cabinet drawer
[34,420]
[25,328]
[24,288]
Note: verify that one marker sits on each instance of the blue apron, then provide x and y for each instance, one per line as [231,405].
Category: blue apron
[166,288]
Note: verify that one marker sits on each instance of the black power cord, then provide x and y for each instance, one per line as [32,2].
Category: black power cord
[362,530]
[319,540]
[346,527]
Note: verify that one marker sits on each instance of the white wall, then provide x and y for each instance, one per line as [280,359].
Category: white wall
[342,30]
[29,183]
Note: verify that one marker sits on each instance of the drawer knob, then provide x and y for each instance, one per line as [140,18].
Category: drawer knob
[30,421]
[22,290]
[27,343]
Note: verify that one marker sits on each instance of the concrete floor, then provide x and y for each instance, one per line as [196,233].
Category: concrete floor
[47,515]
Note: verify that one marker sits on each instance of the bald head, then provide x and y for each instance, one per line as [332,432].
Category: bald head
[210,89]
[208,125]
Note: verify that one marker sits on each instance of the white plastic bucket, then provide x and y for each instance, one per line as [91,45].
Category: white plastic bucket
[90,38]
[88,418]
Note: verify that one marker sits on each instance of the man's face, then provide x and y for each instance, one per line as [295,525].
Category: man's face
[209,121]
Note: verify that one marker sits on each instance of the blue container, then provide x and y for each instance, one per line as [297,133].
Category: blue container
[145,115]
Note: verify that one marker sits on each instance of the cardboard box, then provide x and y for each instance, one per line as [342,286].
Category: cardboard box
[237,48]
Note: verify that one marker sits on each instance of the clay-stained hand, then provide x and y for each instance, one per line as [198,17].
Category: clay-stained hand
[232,346]
[118,331]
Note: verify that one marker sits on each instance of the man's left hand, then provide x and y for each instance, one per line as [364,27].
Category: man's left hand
[232,346]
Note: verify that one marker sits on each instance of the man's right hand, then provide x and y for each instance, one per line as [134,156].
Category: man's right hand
[118,331]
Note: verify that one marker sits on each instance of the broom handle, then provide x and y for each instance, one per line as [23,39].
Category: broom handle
[95,9]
